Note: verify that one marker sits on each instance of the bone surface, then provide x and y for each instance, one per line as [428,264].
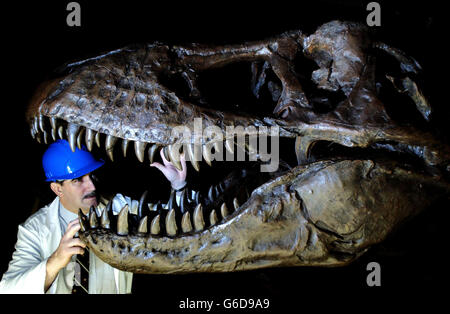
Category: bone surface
[325,210]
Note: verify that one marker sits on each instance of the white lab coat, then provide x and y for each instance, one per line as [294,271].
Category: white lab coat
[38,238]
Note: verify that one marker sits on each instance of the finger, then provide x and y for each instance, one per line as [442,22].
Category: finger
[183,165]
[72,229]
[76,242]
[161,168]
[165,161]
[75,250]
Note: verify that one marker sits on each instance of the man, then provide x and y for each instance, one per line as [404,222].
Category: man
[47,257]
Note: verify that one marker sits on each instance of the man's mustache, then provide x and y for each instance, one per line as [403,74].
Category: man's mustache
[91,194]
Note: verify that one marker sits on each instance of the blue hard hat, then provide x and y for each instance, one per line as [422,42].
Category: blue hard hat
[60,163]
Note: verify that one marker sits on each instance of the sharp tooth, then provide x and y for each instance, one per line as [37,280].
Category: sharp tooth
[195,165]
[172,203]
[193,157]
[53,123]
[33,135]
[199,223]
[152,151]
[36,124]
[207,154]
[217,191]
[210,193]
[38,138]
[72,132]
[224,210]
[89,138]
[104,220]
[125,143]
[303,146]
[143,226]
[174,152]
[84,225]
[166,153]
[122,221]
[53,131]
[235,203]
[61,132]
[97,139]
[142,202]
[217,146]
[229,145]
[213,217]
[171,226]
[109,146]
[183,201]
[197,197]
[93,218]
[154,227]
[45,135]
[41,123]
[139,148]
[186,225]
[79,138]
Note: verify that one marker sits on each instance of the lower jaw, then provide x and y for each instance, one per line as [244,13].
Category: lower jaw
[217,247]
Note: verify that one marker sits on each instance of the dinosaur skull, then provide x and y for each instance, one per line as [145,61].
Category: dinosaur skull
[358,174]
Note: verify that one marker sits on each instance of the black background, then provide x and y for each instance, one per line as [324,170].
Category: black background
[36,40]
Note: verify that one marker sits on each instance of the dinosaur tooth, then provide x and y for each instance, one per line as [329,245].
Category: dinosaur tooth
[217,146]
[210,193]
[109,146]
[53,132]
[235,203]
[174,153]
[213,217]
[44,134]
[104,220]
[166,153]
[142,202]
[36,124]
[183,201]
[79,137]
[33,135]
[84,225]
[72,132]
[303,146]
[229,145]
[186,225]
[97,139]
[93,218]
[207,154]
[152,152]
[41,122]
[122,221]
[192,157]
[53,123]
[224,210]
[54,127]
[139,149]
[197,197]
[125,143]
[199,223]
[154,226]
[172,203]
[61,132]
[171,226]
[89,138]
[142,228]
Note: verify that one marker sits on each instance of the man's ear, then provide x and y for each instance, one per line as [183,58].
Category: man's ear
[57,188]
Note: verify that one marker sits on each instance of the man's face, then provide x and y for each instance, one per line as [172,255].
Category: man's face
[76,193]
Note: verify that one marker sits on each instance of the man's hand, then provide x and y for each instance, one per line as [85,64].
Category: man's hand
[68,246]
[176,177]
